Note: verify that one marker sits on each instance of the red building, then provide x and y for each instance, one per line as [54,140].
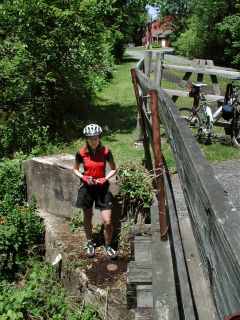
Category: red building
[158,32]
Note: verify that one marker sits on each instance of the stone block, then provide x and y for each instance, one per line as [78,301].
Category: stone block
[51,181]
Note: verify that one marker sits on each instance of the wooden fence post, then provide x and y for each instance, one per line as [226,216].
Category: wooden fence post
[159,65]
[141,122]
[148,63]
[157,150]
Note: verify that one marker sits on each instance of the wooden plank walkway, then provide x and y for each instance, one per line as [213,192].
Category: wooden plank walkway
[165,302]
[166,280]
[151,281]
[201,306]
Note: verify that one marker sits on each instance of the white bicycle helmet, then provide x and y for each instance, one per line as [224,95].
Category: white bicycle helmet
[92,130]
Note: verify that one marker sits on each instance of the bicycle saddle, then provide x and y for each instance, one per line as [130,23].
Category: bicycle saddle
[234,78]
[199,85]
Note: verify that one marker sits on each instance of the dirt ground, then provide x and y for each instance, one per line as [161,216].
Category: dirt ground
[101,271]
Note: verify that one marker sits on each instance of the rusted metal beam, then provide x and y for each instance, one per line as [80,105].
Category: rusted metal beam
[235,316]
[141,120]
[157,151]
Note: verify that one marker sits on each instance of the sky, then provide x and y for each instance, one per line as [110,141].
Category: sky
[152,11]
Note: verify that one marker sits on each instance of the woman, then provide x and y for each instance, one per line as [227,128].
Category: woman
[94,186]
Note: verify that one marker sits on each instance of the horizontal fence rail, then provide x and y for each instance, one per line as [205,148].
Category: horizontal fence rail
[223,73]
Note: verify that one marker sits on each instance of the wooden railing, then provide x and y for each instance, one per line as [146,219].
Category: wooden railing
[214,220]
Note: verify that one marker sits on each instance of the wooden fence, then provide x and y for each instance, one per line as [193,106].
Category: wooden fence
[214,220]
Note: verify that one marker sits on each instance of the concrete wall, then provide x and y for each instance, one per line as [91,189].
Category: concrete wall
[52,182]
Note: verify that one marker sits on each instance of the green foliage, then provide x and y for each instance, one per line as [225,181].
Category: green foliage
[39,296]
[52,65]
[20,231]
[189,44]
[11,182]
[89,313]
[76,221]
[179,10]
[156,45]
[229,30]
[213,32]
[136,188]
[20,228]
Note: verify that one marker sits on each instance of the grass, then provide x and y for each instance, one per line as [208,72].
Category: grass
[116,112]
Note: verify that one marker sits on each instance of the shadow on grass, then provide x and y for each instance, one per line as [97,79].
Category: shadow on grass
[129,59]
[113,117]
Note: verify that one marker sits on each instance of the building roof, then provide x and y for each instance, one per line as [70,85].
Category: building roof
[161,34]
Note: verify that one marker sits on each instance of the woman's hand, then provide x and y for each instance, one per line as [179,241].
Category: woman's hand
[88,180]
[101,181]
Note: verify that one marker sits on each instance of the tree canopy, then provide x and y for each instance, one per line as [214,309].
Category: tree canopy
[54,57]
[212,32]
[179,10]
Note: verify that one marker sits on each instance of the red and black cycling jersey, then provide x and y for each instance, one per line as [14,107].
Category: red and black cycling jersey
[94,163]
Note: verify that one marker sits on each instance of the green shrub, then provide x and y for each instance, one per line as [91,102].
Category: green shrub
[156,45]
[22,131]
[11,182]
[21,229]
[189,43]
[38,295]
[136,189]
[76,221]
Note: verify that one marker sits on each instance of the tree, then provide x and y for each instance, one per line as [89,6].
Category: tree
[179,10]
[51,64]
[54,57]
[213,32]
[126,21]
[229,30]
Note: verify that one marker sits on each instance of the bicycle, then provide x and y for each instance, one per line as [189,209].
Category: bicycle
[201,120]
[232,100]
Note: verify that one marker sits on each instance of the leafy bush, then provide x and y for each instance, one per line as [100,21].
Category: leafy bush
[76,221]
[51,64]
[20,231]
[20,228]
[189,43]
[136,190]
[212,32]
[11,182]
[38,295]
[229,30]
[156,45]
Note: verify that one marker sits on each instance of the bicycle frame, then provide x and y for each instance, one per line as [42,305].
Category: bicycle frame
[208,116]
[203,123]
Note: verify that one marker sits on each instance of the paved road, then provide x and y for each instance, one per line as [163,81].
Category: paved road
[139,54]
[228,174]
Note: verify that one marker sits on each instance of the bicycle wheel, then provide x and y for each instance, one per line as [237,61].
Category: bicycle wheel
[235,134]
[192,119]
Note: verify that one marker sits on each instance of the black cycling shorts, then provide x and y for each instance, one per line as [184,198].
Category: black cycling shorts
[101,195]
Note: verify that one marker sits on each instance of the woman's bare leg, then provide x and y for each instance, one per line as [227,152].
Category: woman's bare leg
[87,224]
[107,223]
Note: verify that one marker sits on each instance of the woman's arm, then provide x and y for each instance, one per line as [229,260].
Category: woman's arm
[76,170]
[113,170]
